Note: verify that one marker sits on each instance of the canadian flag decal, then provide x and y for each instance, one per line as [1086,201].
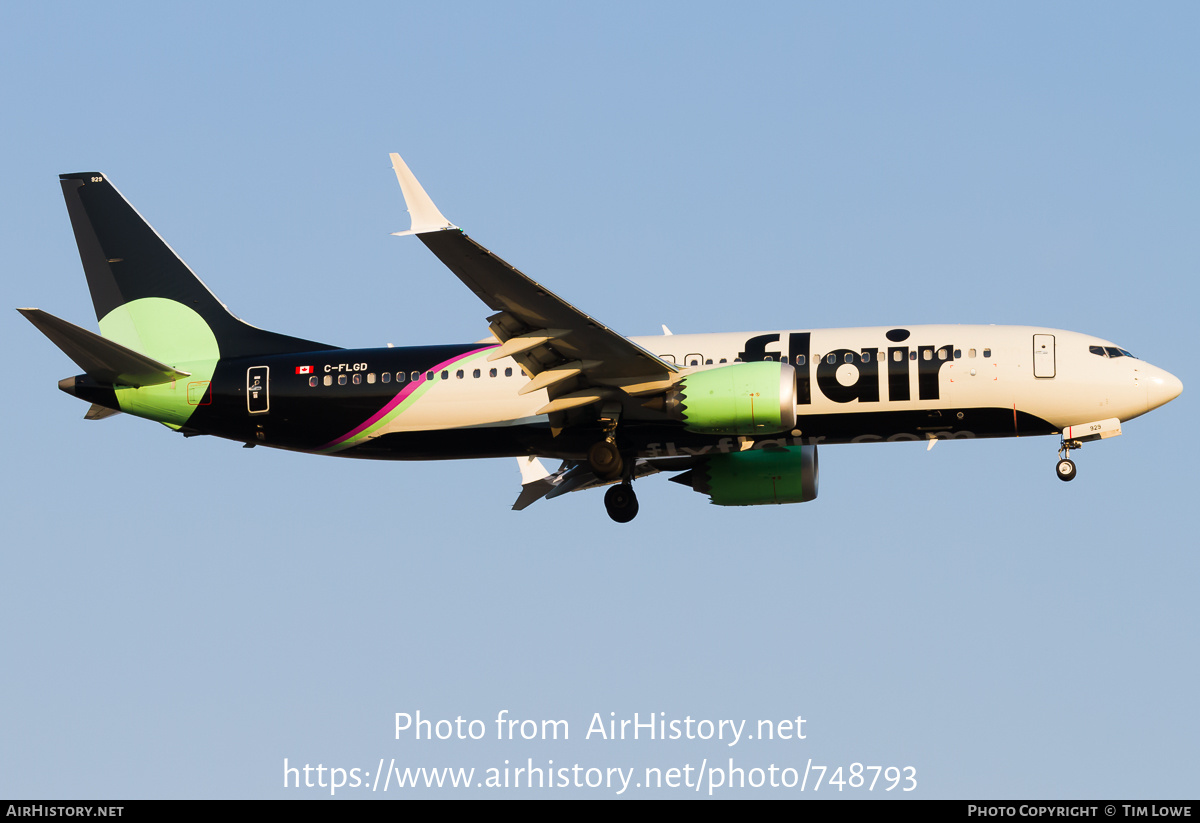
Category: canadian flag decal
[304,369]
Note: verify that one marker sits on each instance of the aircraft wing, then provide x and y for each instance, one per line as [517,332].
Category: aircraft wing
[572,476]
[577,359]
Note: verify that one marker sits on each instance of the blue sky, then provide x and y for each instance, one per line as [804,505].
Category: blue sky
[180,616]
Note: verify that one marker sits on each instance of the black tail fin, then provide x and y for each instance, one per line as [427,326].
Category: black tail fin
[126,261]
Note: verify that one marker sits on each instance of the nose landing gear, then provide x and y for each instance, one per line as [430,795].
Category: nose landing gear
[1066,469]
[1066,466]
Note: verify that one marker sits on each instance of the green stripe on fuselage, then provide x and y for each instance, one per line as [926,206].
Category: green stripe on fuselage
[404,400]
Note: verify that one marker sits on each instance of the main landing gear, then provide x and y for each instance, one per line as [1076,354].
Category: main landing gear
[607,464]
[1066,466]
[621,502]
[605,461]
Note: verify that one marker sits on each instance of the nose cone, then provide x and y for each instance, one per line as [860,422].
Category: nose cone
[1162,387]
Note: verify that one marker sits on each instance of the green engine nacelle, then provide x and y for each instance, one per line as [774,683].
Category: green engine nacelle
[741,398]
[757,477]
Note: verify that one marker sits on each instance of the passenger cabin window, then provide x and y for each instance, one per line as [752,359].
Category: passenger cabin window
[328,380]
[492,373]
[446,374]
[370,377]
[799,360]
[970,352]
[987,352]
[341,379]
[386,377]
[312,381]
[475,373]
[958,354]
[459,374]
[358,379]
[508,371]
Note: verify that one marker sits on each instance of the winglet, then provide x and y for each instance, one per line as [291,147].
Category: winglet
[425,215]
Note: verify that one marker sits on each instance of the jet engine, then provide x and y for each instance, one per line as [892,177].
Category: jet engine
[741,398]
[757,477]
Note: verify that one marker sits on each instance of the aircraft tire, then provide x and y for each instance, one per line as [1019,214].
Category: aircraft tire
[621,502]
[605,461]
[1066,470]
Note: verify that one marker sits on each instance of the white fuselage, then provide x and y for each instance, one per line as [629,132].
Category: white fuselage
[1051,374]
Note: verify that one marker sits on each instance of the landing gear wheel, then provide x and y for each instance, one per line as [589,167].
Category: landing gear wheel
[605,461]
[621,502]
[1066,469]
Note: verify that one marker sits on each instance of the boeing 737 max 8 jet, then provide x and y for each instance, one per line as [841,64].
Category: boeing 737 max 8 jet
[738,416]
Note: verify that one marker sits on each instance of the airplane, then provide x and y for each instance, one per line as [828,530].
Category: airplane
[737,416]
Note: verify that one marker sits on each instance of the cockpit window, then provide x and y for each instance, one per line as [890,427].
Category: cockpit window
[1109,351]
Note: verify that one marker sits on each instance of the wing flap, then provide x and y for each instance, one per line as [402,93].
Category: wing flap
[524,342]
[565,371]
[574,400]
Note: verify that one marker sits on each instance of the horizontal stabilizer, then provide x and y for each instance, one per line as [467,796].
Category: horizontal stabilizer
[101,359]
[98,412]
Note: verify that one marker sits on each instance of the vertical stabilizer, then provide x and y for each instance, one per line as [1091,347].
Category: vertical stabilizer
[146,297]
